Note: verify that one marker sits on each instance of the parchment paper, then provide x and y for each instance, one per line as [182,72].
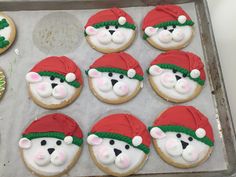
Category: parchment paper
[18,110]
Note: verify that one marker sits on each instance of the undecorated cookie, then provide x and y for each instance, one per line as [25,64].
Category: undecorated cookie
[177,76]
[119,144]
[7,32]
[51,145]
[110,30]
[168,27]
[3,83]
[54,82]
[182,136]
[115,78]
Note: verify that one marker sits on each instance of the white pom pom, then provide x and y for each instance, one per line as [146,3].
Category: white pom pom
[182,19]
[68,139]
[200,133]
[70,77]
[137,140]
[122,20]
[150,30]
[131,73]
[195,73]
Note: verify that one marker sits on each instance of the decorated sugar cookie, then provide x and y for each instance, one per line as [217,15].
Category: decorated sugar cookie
[54,82]
[51,145]
[110,30]
[119,144]
[7,32]
[2,83]
[177,76]
[182,136]
[168,27]
[115,78]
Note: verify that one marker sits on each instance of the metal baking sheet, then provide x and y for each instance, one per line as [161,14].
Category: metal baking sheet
[18,110]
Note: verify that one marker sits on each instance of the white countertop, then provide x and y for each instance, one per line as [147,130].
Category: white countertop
[223,16]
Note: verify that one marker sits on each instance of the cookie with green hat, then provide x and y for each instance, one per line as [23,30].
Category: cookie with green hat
[177,76]
[51,145]
[119,144]
[182,136]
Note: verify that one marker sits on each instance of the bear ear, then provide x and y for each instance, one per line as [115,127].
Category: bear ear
[131,73]
[195,73]
[157,133]
[200,133]
[150,31]
[94,140]
[182,19]
[33,77]
[94,73]
[122,20]
[90,30]
[68,139]
[137,140]
[155,70]
[24,143]
[70,77]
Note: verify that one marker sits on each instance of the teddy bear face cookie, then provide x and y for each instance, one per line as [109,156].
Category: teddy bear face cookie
[51,145]
[115,78]
[7,32]
[110,30]
[177,76]
[182,136]
[54,82]
[168,27]
[119,144]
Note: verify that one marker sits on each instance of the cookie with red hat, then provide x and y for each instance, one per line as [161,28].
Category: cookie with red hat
[168,27]
[54,82]
[115,78]
[51,145]
[182,136]
[119,144]
[177,76]
[110,30]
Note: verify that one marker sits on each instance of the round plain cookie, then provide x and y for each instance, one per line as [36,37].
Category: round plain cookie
[115,78]
[7,32]
[119,144]
[51,145]
[168,27]
[177,76]
[54,82]
[182,136]
[3,83]
[110,30]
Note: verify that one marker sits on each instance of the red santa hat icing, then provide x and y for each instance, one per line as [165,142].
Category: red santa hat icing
[185,119]
[121,63]
[113,16]
[54,125]
[187,63]
[123,127]
[165,15]
[60,67]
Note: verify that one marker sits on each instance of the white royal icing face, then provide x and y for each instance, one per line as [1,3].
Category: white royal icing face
[180,147]
[112,86]
[109,37]
[49,90]
[170,37]
[116,155]
[172,83]
[5,32]
[48,156]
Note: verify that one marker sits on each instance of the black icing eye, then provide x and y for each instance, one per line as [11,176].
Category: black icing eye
[61,80]
[165,28]
[116,26]
[184,75]
[58,142]
[190,138]
[112,142]
[121,76]
[52,78]
[110,74]
[174,26]
[178,135]
[127,146]
[43,142]
[107,26]
[174,71]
